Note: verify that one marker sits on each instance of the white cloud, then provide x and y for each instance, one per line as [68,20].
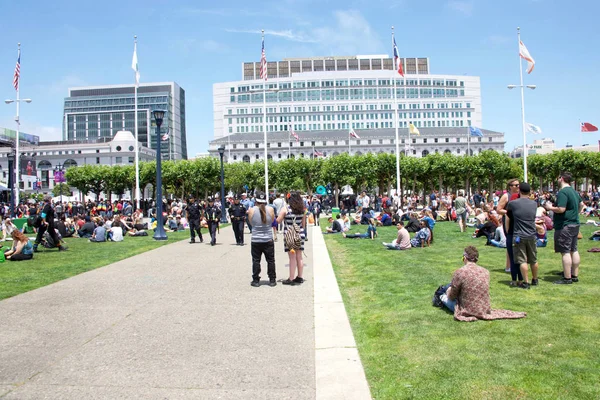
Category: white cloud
[463,7]
[46,133]
[350,34]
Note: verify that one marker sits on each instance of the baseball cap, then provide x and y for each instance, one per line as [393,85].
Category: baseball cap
[261,198]
[525,187]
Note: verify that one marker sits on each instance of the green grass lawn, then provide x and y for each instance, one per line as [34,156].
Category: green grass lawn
[410,349]
[49,266]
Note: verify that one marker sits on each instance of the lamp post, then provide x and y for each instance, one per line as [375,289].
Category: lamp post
[17,101]
[59,177]
[159,233]
[11,182]
[532,87]
[223,214]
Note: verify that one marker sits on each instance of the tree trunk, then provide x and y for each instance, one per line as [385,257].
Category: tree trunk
[336,195]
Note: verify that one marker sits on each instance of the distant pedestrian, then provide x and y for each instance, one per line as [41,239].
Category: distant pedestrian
[566,224]
[213,218]
[294,214]
[237,214]
[194,215]
[261,217]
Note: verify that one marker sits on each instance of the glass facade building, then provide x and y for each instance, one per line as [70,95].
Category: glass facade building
[92,113]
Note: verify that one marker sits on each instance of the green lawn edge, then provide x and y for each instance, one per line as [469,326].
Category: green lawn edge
[412,350]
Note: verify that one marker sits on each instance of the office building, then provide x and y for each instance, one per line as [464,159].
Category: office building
[547,146]
[98,112]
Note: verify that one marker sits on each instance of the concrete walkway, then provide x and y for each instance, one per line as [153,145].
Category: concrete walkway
[179,322]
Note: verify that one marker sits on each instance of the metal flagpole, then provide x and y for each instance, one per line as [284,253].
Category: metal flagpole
[137,143]
[396,116]
[522,109]
[468,142]
[17,139]
[349,145]
[290,144]
[265,120]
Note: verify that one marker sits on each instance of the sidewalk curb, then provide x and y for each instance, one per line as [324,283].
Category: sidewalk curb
[338,369]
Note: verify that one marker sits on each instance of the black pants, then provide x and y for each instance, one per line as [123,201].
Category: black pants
[195,228]
[316,216]
[212,228]
[20,257]
[257,250]
[238,230]
[40,234]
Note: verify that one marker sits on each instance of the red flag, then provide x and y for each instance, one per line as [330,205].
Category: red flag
[587,127]
[318,153]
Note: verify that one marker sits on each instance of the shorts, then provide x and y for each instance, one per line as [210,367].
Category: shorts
[462,215]
[565,239]
[525,252]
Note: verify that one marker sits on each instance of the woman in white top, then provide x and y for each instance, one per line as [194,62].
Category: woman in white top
[294,214]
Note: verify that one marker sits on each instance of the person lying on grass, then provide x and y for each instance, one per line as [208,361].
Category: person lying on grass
[371,232]
[468,296]
[423,237]
[402,242]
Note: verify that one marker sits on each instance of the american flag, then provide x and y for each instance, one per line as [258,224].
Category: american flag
[397,58]
[295,135]
[263,62]
[353,134]
[17,72]
[318,153]
[166,136]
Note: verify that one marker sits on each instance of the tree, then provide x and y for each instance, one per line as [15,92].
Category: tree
[340,171]
[79,178]
[494,166]
[62,189]
[118,179]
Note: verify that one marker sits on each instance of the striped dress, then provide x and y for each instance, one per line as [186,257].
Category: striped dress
[289,220]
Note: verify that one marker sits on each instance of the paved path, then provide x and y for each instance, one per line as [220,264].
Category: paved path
[179,322]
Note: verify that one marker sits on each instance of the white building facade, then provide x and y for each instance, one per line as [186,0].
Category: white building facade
[339,93]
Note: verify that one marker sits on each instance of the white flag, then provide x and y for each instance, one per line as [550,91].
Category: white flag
[524,53]
[533,128]
[134,64]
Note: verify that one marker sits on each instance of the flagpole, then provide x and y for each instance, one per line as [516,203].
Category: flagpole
[265,122]
[396,116]
[468,142]
[522,109]
[349,145]
[290,143]
[17,150]
[137,143]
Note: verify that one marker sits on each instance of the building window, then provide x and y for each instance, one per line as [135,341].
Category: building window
[302,145]
[97,160]
[447,140]
[457,151]
[457,140]
[234,158]
[489,139]
[257,156]
[335,142]
[324,143]
[278,144]
[245,145]
[312,143]
[435,140]
[256,145]
[424,140]
[235,146]
[131,160]
[119,160]
[279,156]
[368,142]
[414,141]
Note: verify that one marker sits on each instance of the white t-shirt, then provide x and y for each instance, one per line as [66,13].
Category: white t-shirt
[117,233]
[366,201]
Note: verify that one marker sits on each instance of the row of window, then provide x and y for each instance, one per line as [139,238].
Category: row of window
[346,94]
[346,107]
[347,117]
[116,101]
[281,156]
[357,142]
[349,83]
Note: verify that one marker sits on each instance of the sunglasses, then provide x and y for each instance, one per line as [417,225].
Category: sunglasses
[514,184]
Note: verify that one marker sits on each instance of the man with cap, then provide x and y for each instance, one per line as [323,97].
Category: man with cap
[237,214]
[213,217]
[194,214]
[47,224]
[248,204]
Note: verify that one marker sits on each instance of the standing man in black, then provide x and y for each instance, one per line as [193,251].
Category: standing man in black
[47,224]
[237,214]
[213,216]
[194,214]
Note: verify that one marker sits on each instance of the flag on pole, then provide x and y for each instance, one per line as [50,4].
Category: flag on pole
[318,153]
[397,58]
[294,135]
[166,136]
[473,131]
[17,72]
[524,53]
[353,134]
[263,62]
[587,127]
[413,130]
[533,128]
[134,64]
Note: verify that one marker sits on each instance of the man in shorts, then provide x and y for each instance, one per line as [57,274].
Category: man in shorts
[566,224]
[521,213]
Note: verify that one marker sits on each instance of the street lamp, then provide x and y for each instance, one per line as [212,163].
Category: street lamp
[17,101]
[223,215]
[159,233]
[532,87]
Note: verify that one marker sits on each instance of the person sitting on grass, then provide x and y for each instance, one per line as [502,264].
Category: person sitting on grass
[499,239]
[136,232]
[540,230]
[488,229]
[22,248]
[371,232]
[428,216]
[386,219]
[87,229]
[115,233]
[99,234]
[336,226]
[402,242]
[468,296]
[423,237]
[345,221]
[412,224]
[7,228]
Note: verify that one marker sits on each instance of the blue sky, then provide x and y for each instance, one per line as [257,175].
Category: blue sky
[196,43]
